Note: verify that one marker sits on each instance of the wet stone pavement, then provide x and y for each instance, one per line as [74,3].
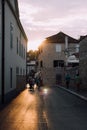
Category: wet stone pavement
[26,112]
[47,109]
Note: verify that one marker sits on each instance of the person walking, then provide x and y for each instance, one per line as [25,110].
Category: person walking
[77,81]
[67,78]
[31,83]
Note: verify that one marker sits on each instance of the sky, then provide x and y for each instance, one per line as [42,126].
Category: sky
[44,18]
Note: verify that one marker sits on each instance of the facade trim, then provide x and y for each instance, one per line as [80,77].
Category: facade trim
[17,19]
[3,50]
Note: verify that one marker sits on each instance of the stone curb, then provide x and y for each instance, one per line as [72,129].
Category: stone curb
[74,93]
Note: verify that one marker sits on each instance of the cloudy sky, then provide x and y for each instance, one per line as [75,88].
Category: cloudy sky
[43,18]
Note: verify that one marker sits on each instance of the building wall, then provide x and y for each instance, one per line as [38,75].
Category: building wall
[54,75]
[0,47]
[12,3]
[47,56]
[73,48]
[83,62]
[14,59]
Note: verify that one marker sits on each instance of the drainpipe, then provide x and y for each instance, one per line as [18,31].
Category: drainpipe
[3,50]
[26,64]
[66,42]
[66,47]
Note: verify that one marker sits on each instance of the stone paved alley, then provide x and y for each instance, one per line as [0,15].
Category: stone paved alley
[47,109]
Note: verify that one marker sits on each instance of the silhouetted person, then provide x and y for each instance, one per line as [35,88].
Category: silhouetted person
[31,83]
[77,81]
[67,78]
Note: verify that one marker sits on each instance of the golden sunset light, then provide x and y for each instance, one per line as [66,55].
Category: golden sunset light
[43,64]
[41,20]
[33,45]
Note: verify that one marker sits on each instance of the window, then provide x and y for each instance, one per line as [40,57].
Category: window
[17,46]
[58,63]
[20,71]
[61,63]
[24,53]
[11,77]
[77,48]
[58,47]
[20,45]
[22,50]
[23,71]
[11,35]
[55,63]
[17,70]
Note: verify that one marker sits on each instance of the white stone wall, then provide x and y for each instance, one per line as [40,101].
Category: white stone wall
[12,59]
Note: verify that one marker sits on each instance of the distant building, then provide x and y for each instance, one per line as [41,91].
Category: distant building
[31,65]
[83,61]
[53,57]
[13,53]
[73,61]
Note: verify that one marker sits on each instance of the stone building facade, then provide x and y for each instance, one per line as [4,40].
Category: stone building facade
[83,62]
[52,58]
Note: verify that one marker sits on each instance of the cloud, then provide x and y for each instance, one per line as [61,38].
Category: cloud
[47,17]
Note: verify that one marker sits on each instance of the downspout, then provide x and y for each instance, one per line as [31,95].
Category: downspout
[66,47]
[26,64]
[66,42]
[3,50]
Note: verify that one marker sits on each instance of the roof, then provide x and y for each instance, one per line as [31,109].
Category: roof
[16,15]
[82,37]
[60,38]
[14,4]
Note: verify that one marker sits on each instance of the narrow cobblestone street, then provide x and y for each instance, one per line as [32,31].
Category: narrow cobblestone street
[47,109]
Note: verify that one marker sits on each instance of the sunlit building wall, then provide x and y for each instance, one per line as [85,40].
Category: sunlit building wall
[52,58]
[47,63]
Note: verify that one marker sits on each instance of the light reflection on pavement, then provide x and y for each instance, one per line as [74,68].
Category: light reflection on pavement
[26,112]
[50,108]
